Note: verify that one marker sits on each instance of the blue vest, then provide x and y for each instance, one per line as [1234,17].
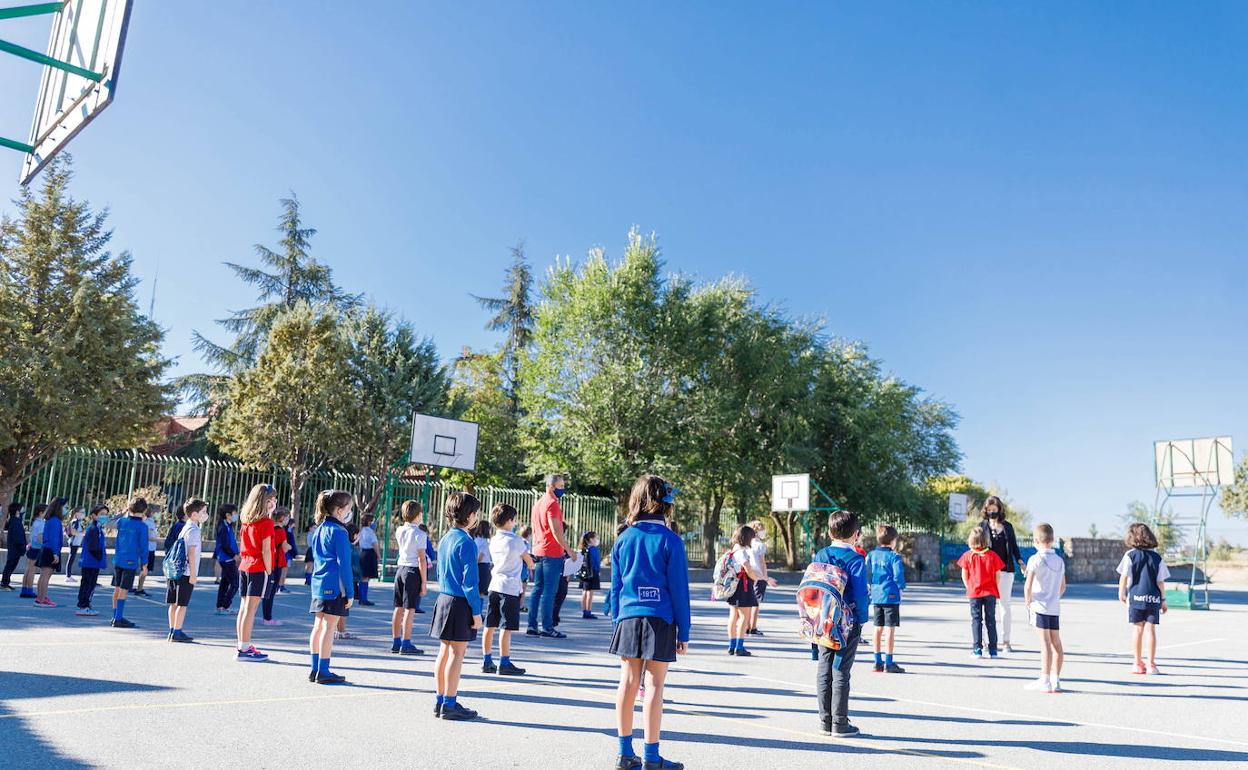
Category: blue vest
[1142,591]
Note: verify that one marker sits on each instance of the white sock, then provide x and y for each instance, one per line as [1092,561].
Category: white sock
[1055,681]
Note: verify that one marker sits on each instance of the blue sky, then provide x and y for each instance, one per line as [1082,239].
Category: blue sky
[1035,212]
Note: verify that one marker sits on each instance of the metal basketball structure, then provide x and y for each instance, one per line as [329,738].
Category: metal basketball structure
[81,66]
[1195,469]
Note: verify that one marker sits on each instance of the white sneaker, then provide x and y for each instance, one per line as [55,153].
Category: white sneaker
[1039,685]
[1055,685]
[70,579]
[87,613]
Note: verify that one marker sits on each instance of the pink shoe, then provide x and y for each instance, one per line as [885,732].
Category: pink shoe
[270,622]
[44,603]
[1139,667]
[641,694]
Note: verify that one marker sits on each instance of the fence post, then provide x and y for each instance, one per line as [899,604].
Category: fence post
[51,475]
[207,473]
[134,471]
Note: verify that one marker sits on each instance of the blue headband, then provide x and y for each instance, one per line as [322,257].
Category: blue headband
[670,497]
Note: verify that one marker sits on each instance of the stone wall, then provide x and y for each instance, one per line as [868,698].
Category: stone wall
[1092,560]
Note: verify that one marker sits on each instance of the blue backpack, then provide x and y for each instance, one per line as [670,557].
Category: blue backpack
[175,564]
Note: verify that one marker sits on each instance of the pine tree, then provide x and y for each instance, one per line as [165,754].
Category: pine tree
[513,315]
[79,363]
[295,277]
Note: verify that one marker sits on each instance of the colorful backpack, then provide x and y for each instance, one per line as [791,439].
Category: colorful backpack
[175,565]
[726,578]
[824,615]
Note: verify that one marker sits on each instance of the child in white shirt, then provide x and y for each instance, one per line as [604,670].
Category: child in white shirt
[1042,593]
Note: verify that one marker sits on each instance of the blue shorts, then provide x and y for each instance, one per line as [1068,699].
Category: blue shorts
[1040,620]
[1144,615]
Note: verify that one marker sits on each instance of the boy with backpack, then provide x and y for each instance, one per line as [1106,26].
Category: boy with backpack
[181,566]
[832,680]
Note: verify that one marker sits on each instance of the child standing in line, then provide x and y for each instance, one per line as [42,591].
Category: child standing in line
[226,553]
[75,531]
[50,555]
[94,559]
[34,546]
[1042,593]
[255,564]
[280,548]
[571,566]
[1142,588]
[979,574]
[832,679]
[509,556]
[153,539]
[650,606]
[886,573]
[457,614]
[744,598]
[129,555]
[14,543]
[178,592]
[370,557]
[410,579]
[591,573]
[758,557]
[333,585]
[481,535]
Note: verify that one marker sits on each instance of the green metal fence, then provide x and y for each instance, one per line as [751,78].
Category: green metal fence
[90,476]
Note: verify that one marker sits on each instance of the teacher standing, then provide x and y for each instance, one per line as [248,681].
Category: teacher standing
[550,550]
[1001,541]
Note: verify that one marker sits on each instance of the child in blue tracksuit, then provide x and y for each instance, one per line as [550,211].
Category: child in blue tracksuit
[832,683]
[129,557]
[225,551]
[887,575]
[650,606]
[457,613]
[333,584]
[14,543]
[94,559]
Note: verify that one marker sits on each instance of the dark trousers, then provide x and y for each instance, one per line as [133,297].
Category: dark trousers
[73,556]
[10,563]
[270,591]
[545,588]
[560,595]
[984,613]
[832,682]
[229,585]
[90,577]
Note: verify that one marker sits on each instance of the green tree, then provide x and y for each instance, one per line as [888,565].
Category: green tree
[295,277]
[1234,498]
[79,363]
[392,374]
[514,316]
[479,394]
[1162,522]
[292,409]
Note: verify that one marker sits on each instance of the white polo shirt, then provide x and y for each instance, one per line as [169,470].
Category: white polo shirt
[507,550]
[411,544]
[1046,587]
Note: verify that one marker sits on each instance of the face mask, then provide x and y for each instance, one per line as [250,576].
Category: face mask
[558,493]
[346,517]
[994,515]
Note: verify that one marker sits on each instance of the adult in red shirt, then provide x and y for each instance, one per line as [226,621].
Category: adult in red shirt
[979,574]
[255,562]
[280,547]
[550,550]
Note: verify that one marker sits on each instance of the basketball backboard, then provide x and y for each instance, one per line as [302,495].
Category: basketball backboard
[444,443]
[790,493]
[958,503]
[1194,462]
[80,72]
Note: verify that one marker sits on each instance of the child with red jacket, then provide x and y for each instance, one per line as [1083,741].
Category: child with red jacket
[979,574]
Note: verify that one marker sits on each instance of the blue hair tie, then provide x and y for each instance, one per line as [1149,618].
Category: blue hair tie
[670,497]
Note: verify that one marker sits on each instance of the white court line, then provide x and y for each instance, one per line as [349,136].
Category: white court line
[1189,644]
[997,712]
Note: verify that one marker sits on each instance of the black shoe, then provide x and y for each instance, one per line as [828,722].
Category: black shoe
[743,653]
[178,636]
[6,588]
[755,632]
[840,730]
[732,650]
[394,649]
[458,713]
[437,710]
[122,623]
[489,668]
[365,603]
[312,676]
[627,763]
[140,592]
[507,669]
[532,632]
[893,668]
[554,635]
[329,678]
[879,668]
[419,611]
[664,764]
[410,650]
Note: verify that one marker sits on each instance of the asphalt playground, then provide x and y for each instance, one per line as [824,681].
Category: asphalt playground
[75,693]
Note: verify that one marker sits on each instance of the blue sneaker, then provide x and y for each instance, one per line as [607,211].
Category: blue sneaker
[179,636]
[977,653]
[251,655]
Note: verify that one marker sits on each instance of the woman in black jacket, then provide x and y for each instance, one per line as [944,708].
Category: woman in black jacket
[1001,540]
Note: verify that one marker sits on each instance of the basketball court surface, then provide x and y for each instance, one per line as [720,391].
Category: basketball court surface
[76,693]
